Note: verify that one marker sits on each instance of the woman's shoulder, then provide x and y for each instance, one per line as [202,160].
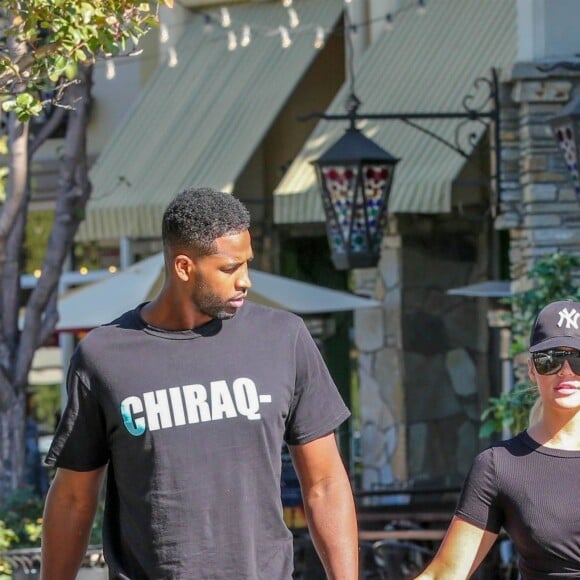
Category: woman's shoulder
[513,447]
[503,457]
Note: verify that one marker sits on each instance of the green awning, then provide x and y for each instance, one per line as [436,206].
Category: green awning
[200,122]
[426,64]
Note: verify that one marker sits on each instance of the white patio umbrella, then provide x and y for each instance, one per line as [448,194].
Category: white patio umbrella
[100,302]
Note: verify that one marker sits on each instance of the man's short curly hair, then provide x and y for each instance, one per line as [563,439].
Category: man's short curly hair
[198,216]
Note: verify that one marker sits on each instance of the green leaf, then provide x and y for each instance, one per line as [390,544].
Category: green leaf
[23,116]
[88,12]
[60,64]
[71,70]
[80,56]
[487,429]
[9,106]
[24,100]
[35,109]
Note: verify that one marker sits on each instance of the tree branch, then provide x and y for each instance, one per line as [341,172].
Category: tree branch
[47,130]
[74,192]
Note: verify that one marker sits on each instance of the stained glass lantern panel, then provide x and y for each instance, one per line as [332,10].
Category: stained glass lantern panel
[566,129]
[355,178]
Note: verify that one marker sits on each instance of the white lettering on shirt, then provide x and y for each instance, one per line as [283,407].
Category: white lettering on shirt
[191,404]
[157,410]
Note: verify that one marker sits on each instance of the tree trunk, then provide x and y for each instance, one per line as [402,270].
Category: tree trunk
[12,446]
[17,347]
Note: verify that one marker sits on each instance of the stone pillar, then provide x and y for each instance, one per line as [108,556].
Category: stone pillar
[378,337]
[538,203]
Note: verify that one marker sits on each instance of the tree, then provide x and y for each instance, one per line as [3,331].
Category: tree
[47,45]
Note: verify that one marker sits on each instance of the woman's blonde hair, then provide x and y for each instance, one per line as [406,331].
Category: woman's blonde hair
[536,412]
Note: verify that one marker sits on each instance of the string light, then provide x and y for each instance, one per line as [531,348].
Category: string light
[232,40]
[320,38]
[226,19]
[163,33]
[388,19]
[246,36]
[172,61]
[112,269]
[207,23]
[293,19]
[83,270]
[37,273]
[110,72]
[285,39]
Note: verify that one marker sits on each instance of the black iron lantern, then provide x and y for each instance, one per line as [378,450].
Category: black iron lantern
[355,177]
[566,128]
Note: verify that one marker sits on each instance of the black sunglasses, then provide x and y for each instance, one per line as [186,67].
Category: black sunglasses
[549,362]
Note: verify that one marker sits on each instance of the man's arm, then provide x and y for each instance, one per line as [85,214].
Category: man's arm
[69,511]
[461,552]
[329,506]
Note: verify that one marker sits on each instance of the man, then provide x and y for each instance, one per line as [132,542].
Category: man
[185,401]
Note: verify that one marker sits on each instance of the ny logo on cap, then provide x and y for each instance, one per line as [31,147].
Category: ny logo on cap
[570,318]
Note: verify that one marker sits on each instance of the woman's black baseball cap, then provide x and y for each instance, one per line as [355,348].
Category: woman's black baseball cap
[557,324]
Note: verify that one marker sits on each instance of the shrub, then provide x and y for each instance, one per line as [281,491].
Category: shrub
[552,279]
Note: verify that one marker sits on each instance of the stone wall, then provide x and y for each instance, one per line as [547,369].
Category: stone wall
[445,346]
[538,203]
[378,337]
[423,362]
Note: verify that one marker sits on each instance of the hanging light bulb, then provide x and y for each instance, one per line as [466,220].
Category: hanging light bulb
[286,3]
[110,73]
[226,20]
[421,7]
[246,36]
[389,24]
[347,1]
[163,33]
[207,24]
[285,39]
[232,40]
[172,61]
[293,19]
[320,38]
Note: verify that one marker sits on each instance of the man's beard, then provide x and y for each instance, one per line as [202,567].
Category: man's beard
[212,305]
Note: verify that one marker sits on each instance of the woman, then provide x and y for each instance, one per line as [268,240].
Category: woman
[528,485]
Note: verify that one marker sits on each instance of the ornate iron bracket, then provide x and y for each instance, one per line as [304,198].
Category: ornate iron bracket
[480,106]
[566,65]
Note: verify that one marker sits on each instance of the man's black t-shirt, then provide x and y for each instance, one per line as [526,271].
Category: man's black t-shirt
[192,424]
[532,491]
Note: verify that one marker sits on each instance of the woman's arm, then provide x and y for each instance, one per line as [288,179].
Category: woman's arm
[463,549]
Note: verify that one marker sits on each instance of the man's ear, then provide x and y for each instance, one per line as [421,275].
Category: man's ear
[183,267]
